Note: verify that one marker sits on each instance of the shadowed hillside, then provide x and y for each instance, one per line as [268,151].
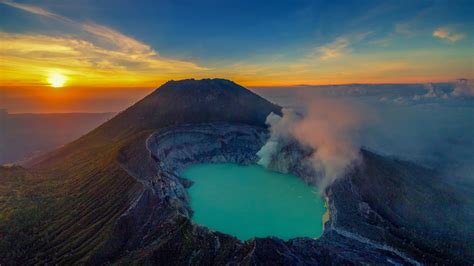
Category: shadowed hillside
[91,189]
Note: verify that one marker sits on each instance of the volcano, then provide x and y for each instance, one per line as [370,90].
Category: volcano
[115,195]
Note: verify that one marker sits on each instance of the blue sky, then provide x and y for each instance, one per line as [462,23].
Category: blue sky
[254,42]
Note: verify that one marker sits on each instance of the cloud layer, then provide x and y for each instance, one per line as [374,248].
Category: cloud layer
[464,87]
[94,53]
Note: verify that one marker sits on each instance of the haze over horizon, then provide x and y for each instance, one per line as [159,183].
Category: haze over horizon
[71,56]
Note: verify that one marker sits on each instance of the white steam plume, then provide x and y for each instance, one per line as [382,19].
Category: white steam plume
[279,134]
[329,128]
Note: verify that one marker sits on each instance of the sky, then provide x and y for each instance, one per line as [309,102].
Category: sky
[103,55]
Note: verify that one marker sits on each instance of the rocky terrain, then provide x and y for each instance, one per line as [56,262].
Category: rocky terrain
[359,228]
[386,211]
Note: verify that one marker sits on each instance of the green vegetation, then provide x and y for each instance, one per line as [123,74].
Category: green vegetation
[26,207]
[62,209]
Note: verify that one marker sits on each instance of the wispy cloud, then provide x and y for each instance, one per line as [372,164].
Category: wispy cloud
[112,37]
[334,49]
[121,41]
[94,51]
[35,10]
[31,56]
[339,47]
[445,33]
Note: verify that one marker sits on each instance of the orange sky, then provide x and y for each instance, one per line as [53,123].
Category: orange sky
[104,69]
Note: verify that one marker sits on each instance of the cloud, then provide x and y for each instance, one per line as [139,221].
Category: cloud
[399,100]
[121,41]
[430,93]
[29,55]
[112,37]
[444,33]
[35,10]
[464,87]
[96,52]
[333,50]
[339,47]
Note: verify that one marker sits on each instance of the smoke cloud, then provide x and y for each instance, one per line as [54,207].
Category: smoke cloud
[329,128]
[435,132]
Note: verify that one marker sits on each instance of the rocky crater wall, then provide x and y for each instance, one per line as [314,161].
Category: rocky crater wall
[174,149]
[157,228]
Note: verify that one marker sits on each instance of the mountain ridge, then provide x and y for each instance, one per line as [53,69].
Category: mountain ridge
[176,102]
[89,187]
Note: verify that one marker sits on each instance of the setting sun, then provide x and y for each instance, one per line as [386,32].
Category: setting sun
[56,80]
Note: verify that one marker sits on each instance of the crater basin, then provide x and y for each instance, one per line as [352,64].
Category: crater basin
[251,201]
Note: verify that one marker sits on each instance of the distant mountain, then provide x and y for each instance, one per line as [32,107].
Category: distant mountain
[26,135]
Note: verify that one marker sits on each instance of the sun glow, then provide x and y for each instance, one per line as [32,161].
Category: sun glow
[56,80]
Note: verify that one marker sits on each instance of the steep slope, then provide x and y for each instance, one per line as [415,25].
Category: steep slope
[405,207]
[91,189]
[192,101]
[174,103]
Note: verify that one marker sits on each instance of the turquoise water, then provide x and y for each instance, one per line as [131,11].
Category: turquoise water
[250,201]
